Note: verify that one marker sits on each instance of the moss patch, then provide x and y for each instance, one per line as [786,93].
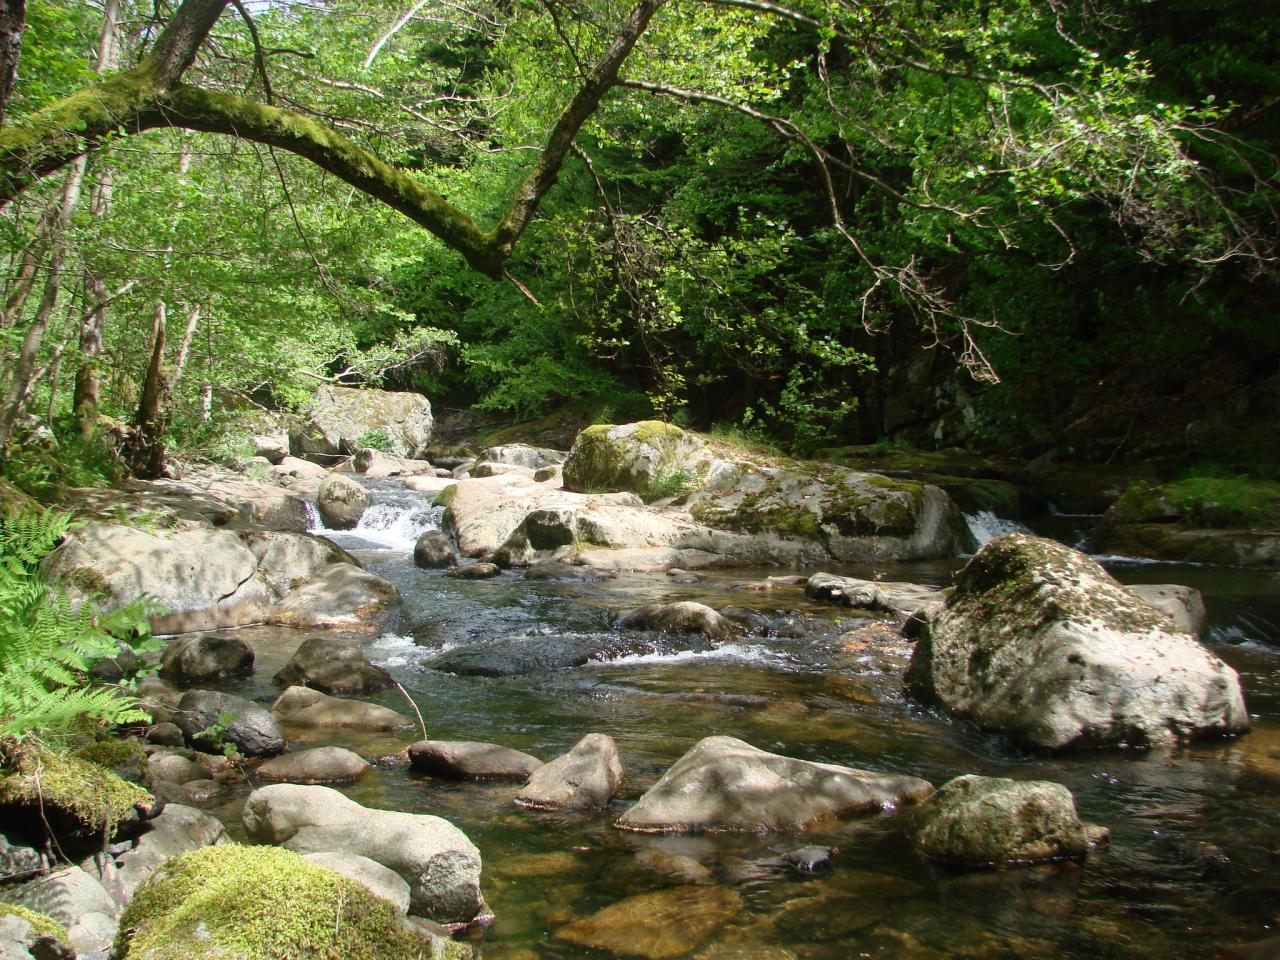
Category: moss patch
[1023,582]
[259,903]
[1227,502]
[43,925]
[92,794]
[126,758]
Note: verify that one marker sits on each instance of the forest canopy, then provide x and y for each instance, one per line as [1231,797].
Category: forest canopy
[712,210]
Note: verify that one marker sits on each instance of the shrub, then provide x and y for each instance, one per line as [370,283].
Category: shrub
[376,440]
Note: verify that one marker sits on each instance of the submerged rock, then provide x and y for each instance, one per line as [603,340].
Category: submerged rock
[1039,642]
[725,784]
[683,617]
[441,866]
[518,655]
[209,719]
[471,760]
[304,707]
[990,821]
[585,778]
[474,571]
[333,665]
[656,926]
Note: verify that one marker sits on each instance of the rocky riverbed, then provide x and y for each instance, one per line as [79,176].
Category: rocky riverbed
[778,702]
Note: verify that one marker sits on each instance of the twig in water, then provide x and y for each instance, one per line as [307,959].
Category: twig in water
[421,723]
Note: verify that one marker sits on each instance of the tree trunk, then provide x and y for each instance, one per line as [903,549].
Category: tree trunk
[13,21]
[88,387]
[184,350]
[147,454]
[23,374]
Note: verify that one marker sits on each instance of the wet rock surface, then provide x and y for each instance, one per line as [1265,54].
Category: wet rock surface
[335,665]
[209,719]
[585,778]
[656,926]
[467,759]
[725,784]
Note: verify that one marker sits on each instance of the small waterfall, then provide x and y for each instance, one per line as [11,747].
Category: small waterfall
[394,520]
[985,525]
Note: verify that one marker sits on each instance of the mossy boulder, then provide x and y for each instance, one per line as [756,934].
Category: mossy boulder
[635,456]
[1039,642]
[856,516]
[341,420]
[261,903]
[69,793]
[993,821]
[1227,520]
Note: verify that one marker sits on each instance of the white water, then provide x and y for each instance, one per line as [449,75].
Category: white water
[747,653]
[985,525]
[393,521]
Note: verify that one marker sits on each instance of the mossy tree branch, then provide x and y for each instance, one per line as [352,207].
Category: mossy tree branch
[151,96]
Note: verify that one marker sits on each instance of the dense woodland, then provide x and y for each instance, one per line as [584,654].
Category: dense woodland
[1018,225]
[891,385]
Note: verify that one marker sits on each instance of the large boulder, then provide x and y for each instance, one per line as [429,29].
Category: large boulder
[304,707]
[209,719]
[468,759]
[341,502]
[993,821]
[333,665]
[340,420]
[204,658]
[725,784]
[373,876]
[585,778]
[257,903]
[1039,642]
[202,578]
[856,516]
[441,866]
[343,596]
[633,456]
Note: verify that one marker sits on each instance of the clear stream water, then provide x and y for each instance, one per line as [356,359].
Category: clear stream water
[1194,862]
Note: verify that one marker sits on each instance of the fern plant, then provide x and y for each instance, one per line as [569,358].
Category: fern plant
[47,644]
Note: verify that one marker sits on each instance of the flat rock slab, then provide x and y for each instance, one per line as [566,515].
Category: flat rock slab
[585,778]
[656,926]
[873,595]
[724,784]
[468,759]
[318,765]
[304,707]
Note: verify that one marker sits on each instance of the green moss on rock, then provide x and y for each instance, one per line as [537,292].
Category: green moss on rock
[44,926]
[92,794]
[125,758]
[259,903]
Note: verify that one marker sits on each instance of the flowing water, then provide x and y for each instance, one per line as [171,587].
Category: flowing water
[1194,861]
